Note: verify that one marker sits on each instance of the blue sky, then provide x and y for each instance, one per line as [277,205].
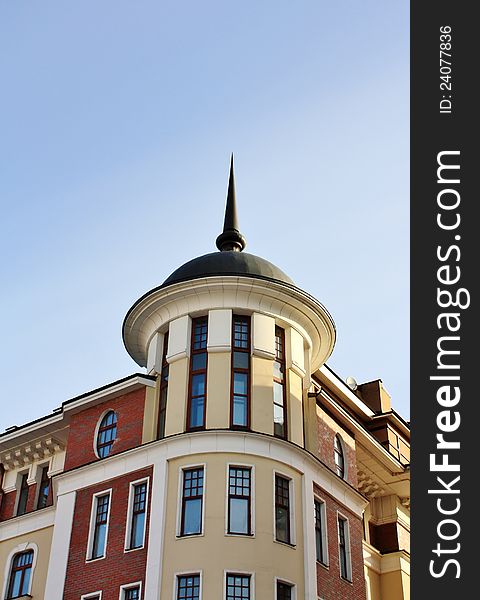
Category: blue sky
[117,119]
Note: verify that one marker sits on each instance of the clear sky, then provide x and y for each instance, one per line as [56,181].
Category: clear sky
[117,119]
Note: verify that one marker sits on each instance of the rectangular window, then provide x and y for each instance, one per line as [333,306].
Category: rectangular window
[197,396]
[239,500]
[131,593]
[100,524]
[162,411]
[320,532]
[284,591]
[240,387]
[138,512]
[282,509]
[22,495]
[238,587]
[188,587]
[192,501]
[279,390]
[43,489]
[344,549]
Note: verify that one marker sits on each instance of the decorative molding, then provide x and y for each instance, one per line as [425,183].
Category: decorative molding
[26,454]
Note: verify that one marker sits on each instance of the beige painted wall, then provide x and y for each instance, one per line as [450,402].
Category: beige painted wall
[295,409]
[218,390]
[214,551]
[43,539]
[177,397]
[262,394]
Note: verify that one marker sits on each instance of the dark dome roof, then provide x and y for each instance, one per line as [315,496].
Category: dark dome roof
[227,263]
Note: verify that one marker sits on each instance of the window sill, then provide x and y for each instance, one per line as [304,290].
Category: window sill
[287,544]
[240,535]
[92,560]
[344,579]
[187,536]
[127,550]
[323,565]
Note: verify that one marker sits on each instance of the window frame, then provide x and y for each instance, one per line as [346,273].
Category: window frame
[129,523]
[247,319]
[283,364]
[22,477]
[191,573]
[181,503]
[282,580]
[45,468]
[29,549]
[324,531]
[233,572]
[291,509]
[92,595]
[192,373]
[92,526]
[128,586]
[341,452]
[163,389]
[348,548]
[97,432]
[251,509]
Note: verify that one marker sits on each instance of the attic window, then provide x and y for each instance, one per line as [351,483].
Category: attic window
[339,457]
[107,432]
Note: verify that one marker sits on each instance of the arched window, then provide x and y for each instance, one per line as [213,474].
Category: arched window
[339,456]
[107,432]
[20,575]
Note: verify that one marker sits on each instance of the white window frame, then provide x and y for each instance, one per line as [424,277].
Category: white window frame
[128,586]
[38,478]
[326,564]
[93,512]
[291,498]
[130,514]
[348,547]
[234,571]
[97,427]
[91,595]
[181,471]
[252,499]
[278,580]
[178,574]
[25,547]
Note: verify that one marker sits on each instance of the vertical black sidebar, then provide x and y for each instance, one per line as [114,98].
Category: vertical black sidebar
[445,331]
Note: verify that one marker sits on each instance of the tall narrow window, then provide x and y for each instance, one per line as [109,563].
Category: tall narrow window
[240,406]
[339,457]
[22,495]
[239,500]
[188,587]
[102,504]
[20,574]
[238,587]
[344,549]
[282,509]
[198,375]
[192,501]
[162,411]
[43,489]
[320,532]
[139,508]
[279,392]
[107,432]
[284,591]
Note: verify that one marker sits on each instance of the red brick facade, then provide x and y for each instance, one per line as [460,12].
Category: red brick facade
[329,583]
[129,409]
[118,567]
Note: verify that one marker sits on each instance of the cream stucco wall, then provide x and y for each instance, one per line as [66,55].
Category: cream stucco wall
[215,552]
[218,390]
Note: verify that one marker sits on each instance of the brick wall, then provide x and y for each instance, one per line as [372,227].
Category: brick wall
[8,505]
[329,583]
[129,409]
[118,567]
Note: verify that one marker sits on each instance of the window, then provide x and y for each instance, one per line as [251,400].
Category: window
[192,501]
[22,495]
[130,592]
[188,587]
[344,549]
[101,506]
[94,596]
[162,411]
[320,532]
[284,591]
[239,500]
[107,432]
[138,503]
[282,509]
[238,587]
[43,489]
[20,574]
[339,457]
[279,396]
[240,388]
[198,375]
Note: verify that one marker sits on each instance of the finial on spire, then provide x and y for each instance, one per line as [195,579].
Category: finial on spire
[231,239]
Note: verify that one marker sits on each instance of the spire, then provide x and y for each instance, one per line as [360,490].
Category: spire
[231,239]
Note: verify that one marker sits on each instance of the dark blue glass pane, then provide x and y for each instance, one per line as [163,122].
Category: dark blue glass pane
[196,412]
[198,385]
[138,527]
[192,517]
[240,360]
[240,411]
[199,361]
[240,383]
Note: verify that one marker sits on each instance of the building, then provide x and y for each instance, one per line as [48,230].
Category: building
[236,466]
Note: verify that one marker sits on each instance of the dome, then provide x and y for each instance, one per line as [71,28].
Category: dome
[227,263]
